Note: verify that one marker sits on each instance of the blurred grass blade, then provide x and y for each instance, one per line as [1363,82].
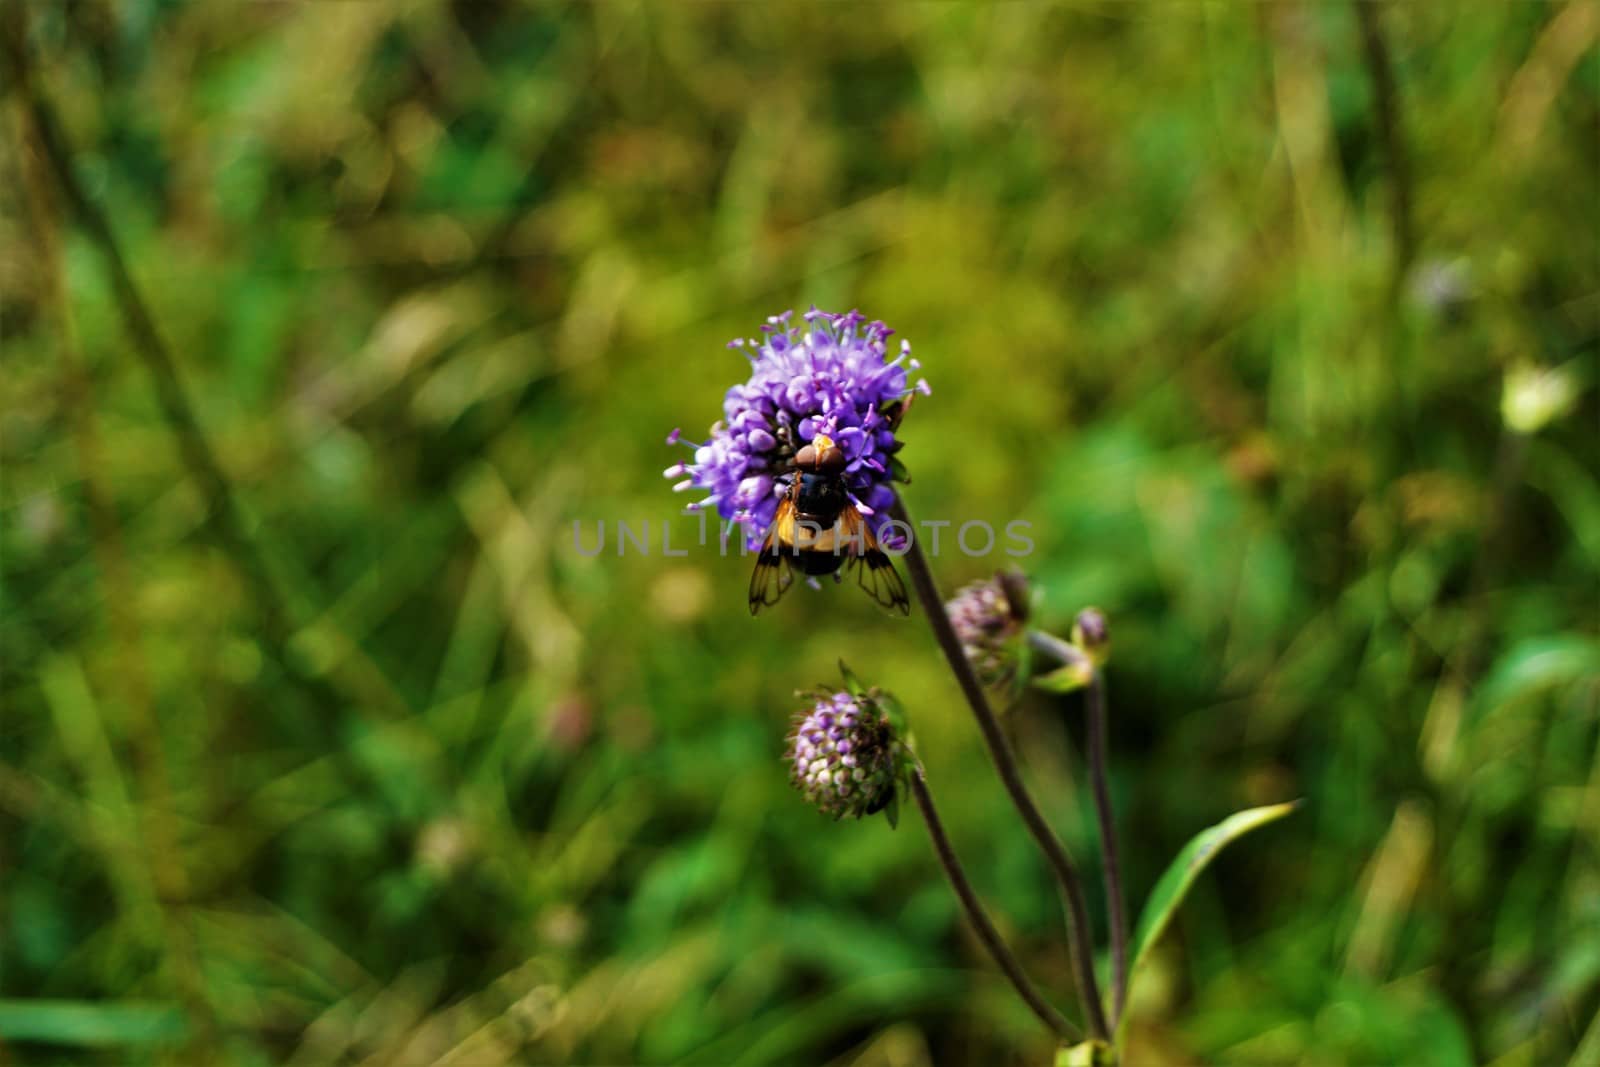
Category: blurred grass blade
[1588,1054]
[84,1022]
[1180,875]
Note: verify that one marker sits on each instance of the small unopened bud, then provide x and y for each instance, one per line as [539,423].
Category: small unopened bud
[987,617]
[842,755]
[1092,633]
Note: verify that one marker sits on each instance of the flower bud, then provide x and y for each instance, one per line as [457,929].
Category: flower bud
[842,755]
[1092,633]
[987,616]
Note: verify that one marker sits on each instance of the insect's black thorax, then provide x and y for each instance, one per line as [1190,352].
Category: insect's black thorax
[821,498]
[818,503]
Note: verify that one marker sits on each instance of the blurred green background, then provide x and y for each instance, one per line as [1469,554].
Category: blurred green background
[1223,299]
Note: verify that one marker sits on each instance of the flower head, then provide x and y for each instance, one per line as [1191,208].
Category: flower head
[987,617]
[830,375]
[842,754]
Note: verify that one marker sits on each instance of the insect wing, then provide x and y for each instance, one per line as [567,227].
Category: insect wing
[874,570]
[774,571]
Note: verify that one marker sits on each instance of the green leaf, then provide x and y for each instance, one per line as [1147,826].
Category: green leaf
[1091,1053]
[892,810]
[1066,679]
[83,1022]
[851,682]
[1180,875]
[895,712]
[1539,663]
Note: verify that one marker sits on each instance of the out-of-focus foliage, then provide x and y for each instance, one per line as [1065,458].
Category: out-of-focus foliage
[440,277]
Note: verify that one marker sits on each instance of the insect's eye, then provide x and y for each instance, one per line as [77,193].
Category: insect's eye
[807,456]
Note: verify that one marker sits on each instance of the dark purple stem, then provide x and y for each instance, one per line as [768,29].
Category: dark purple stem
[1005,764]
[1058,649]
[980,919]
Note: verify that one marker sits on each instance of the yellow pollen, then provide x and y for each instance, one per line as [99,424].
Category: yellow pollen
[822,442]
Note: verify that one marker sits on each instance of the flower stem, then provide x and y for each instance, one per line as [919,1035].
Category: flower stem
[1058,649]
[1005,764]
[980,919]
[1108,844]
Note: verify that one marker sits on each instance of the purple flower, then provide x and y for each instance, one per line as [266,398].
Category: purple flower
[841,755]
[831,375]
[987,617]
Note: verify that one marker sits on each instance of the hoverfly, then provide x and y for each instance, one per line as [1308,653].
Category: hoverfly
[818,530]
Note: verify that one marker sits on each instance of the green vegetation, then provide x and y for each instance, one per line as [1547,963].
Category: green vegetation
[320,742]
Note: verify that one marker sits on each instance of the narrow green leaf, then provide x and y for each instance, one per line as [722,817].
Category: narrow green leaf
[892,709]
[84,1022]
[851,682]
[1181,873]
[1066,679]
[1174,883]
